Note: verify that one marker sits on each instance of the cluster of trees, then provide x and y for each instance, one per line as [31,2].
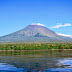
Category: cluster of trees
[35,46]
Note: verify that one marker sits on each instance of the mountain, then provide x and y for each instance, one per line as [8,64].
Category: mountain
[34,33]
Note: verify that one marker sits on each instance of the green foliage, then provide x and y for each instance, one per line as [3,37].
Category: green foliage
[35,46]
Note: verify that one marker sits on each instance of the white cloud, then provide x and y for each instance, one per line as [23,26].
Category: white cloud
[61,25]
[64,35]
[38,24]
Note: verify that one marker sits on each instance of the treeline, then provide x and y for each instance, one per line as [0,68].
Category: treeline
[35,46]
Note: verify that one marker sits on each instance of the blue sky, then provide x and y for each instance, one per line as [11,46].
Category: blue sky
[17,14]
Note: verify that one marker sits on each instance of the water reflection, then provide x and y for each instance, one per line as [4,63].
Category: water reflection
[36,61]
[66,63]
[63,65]
[7,67]
[58,70]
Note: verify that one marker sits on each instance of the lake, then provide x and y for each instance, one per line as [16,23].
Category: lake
[36,61]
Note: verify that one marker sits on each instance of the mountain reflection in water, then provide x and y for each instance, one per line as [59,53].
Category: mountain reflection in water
[36,61]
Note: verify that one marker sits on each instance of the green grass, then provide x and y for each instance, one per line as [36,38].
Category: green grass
[35,46]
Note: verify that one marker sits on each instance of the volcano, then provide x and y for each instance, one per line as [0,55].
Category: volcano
[34,33]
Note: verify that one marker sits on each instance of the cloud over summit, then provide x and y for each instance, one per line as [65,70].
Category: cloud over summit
[38,24]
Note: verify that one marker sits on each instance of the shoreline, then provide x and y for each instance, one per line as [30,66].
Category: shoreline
[37,50]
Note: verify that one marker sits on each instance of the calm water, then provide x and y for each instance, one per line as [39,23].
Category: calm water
[36,61]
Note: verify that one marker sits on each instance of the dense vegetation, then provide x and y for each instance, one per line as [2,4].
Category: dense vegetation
[35,46]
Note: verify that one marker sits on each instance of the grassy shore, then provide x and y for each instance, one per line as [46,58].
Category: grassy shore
[35,46]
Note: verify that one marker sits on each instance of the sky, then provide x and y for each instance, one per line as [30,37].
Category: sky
[53,14]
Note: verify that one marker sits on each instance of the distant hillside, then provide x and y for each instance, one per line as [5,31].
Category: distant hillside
[34,33]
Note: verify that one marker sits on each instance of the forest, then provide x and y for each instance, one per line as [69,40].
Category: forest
[34,46]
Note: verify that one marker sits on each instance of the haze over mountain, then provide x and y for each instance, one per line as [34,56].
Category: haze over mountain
[70,36]
[34,33]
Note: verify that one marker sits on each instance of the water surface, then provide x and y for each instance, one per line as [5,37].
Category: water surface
[36,61]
